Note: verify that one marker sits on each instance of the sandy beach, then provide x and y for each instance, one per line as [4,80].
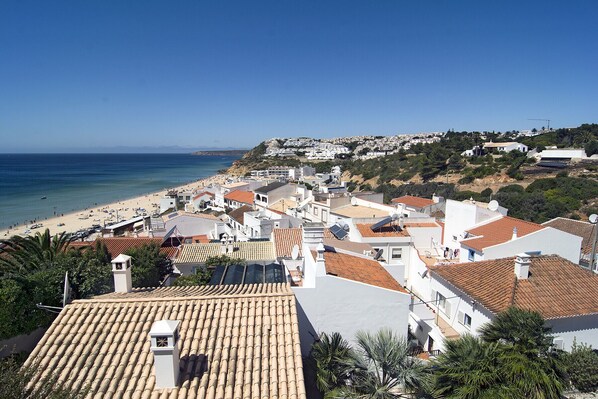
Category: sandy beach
[107,213]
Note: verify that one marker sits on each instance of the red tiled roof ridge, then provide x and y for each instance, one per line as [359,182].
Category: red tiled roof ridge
[556,287]
[412,200]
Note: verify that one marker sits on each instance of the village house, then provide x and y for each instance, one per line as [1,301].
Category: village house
[176,342]
[468,295]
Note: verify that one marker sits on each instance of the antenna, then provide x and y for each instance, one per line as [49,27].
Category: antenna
[545,120]
[493,205]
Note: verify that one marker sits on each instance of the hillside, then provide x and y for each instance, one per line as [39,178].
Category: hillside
[438,167]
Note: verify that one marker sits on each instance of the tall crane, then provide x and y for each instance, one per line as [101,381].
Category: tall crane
[545,120]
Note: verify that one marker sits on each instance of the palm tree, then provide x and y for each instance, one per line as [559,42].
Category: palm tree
[469,368]
[510,360]
[519,327]
[385,368]
[334,358]
[20,256]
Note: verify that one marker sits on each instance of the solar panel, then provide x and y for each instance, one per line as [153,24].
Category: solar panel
[173,215]
[338,232]
[381,223]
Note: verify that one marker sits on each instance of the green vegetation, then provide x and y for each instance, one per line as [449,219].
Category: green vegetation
[512,359]
[379,367]
[582,367]
[32,271]
[545,199]
[582,136]
[16,378]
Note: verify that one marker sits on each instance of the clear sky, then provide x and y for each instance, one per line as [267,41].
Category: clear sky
[91,74]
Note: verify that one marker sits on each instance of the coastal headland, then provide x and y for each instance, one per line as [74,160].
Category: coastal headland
[98,214]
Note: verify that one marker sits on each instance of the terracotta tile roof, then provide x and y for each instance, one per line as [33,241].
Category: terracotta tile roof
[385,231]
[120,245]
[239,214]
[245,197]
[286,239]
[202,194]
[555,288]
[250,251]
[498,232]
[415,202]
[582,229]
[355,268]
[235,342]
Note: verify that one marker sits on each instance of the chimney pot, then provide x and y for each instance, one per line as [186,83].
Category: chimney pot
[121,270]
[522,264]
[514,237]
[164,337]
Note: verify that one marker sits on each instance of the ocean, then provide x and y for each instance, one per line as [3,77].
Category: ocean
[72,182]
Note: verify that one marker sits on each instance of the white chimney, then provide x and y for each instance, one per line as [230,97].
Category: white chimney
[313,234]
[121,270]
[164,337]
[320,263]
[522,263]
[514,236]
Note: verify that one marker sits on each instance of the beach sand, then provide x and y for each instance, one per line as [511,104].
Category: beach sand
[85,218]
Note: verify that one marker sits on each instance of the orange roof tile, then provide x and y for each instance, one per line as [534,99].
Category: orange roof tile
[355,268]
[286,239]
[410,200]
[245,197]
[555,288]
[580,228]
[202,194]
[498,232]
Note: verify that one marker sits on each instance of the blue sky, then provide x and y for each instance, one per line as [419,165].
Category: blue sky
[93,74]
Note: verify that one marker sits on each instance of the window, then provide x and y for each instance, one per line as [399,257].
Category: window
[440,300]
[471,255]
[397,253]
[467,320]
[315,211]
[464,319]
[324,215]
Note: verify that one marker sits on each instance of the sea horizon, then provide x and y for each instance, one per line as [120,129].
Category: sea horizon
[37,186]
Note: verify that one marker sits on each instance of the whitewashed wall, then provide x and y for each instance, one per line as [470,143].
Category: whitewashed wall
[549,241]
[345,306]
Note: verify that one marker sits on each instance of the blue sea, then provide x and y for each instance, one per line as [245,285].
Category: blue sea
[71,182]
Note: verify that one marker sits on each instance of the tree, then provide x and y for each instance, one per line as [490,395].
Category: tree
[523,328]
[150,265]
[202,276]
[510,360]
[385,368]
[333,359]
[16,383]
[24,255]
[582,367]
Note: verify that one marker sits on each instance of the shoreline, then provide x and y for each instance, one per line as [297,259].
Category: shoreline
[105,213]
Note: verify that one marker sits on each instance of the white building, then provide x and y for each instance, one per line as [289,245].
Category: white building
[507,236]
[341,291]
[506,147]
[468,295]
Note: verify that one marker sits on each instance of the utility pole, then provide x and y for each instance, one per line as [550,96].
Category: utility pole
[545,120]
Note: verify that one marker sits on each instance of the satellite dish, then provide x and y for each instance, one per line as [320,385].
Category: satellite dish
[295,252]
[593,218]
[378,254]
[493,205]
[353,201]
[394,215]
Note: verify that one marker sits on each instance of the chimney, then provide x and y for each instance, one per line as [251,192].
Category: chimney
[514,236]
[313,234]
[121,270]
[164,337]
[320,263]
[522,263]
